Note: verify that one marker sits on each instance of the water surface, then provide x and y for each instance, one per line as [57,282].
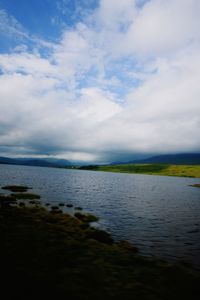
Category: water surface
[159,214]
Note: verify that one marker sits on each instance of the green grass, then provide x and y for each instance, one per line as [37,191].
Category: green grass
[151,169]
[88,218]
[45,255]
[25,196]
[15,188]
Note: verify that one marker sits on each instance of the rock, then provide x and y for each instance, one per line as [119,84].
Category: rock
[54,207]
[78,208]
[195,185]
[32,202]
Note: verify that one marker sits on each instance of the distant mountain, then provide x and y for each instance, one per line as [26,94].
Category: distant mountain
[40,162]
[177,159]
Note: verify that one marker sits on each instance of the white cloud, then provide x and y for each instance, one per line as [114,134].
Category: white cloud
[68,103]
[27,63]
[10,27]
[162,27]
[116,14]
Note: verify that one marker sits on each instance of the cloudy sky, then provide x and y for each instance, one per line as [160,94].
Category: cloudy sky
[99,81]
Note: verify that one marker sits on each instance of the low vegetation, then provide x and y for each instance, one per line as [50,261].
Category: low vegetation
[25,196]
[6,200]
[196,185]
[16,188]
[151,169]
[78,208]
[87,218]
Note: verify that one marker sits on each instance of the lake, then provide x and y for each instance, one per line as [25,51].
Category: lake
[159,214]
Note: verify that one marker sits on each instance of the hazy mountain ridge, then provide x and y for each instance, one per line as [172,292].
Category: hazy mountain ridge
[40,162]
[178,159]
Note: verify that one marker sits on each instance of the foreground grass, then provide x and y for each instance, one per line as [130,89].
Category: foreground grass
[151,169]
[47,255]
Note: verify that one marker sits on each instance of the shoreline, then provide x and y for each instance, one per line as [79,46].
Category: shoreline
[181,171]
[186,171]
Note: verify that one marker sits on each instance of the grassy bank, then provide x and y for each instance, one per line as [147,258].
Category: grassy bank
[151,169]
[51,254]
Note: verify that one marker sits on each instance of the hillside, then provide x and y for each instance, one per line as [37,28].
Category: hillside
[177,159]
[41,162]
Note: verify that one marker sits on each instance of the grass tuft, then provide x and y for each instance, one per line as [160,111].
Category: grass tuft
[16,188]
[88,218]
[25,196]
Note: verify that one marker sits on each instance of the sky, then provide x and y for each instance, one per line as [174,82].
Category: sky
[99,81]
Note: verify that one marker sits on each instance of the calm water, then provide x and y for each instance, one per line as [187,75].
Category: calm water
[161,215]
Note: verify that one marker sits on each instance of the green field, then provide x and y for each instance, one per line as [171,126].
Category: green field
[151,169]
